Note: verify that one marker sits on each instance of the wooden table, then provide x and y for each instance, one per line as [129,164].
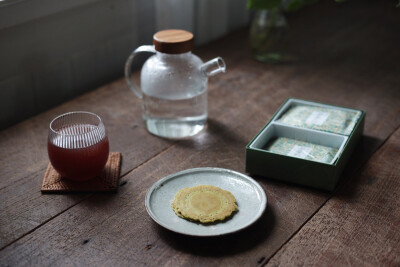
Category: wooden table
[344,54]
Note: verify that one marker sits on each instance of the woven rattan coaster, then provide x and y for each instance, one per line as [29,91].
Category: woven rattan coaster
[107,181]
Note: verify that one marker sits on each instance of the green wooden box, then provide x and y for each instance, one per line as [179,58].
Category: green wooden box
[294,167]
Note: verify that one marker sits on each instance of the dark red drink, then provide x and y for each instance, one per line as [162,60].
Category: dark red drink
[78,152]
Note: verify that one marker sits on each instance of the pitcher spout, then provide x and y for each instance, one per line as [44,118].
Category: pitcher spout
[213,66]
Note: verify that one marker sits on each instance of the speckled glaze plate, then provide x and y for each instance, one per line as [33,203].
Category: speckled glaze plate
[250,197]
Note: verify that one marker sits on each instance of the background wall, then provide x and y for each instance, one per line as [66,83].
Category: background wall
[52,51]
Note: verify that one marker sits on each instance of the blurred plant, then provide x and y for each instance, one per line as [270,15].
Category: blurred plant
[269,29]
[287,5]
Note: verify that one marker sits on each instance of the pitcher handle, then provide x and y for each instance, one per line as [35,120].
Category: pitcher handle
[132,85]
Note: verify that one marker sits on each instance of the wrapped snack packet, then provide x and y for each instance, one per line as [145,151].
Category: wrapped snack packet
[333,120]
[301,149]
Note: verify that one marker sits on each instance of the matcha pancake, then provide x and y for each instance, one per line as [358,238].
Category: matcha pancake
[204,203]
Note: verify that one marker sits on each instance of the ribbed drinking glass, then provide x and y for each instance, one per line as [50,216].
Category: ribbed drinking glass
[78,145]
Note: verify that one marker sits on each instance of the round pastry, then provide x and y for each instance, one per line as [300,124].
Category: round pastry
[204,203]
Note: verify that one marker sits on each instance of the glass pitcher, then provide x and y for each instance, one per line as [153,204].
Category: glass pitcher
[173,85]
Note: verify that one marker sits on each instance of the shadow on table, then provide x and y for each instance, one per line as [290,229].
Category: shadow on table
[351,176]
[222,245]
[215,134]
[228,134]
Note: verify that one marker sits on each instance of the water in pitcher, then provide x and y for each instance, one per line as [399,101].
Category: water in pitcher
[175,118]
[173,85]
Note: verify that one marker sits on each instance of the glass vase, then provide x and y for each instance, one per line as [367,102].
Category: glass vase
[268,33]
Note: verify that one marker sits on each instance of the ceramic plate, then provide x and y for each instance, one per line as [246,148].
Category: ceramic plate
[250,197]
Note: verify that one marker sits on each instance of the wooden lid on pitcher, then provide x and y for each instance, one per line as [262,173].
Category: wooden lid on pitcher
[173,41]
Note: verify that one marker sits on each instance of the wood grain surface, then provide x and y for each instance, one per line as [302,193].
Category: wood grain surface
[342,54]
[360,225]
